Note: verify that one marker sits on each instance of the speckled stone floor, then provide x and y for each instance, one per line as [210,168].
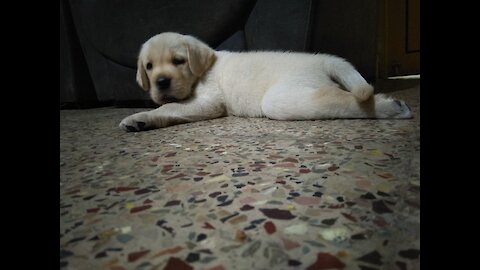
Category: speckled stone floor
[239,193]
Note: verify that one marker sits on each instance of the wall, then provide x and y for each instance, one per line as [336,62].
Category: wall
[348,29]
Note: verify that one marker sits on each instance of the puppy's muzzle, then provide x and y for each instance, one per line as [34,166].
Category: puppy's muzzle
[163,83]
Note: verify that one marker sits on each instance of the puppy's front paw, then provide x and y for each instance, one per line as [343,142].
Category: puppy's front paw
[135,122]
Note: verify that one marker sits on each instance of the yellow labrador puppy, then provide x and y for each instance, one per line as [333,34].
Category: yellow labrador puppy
[192,82]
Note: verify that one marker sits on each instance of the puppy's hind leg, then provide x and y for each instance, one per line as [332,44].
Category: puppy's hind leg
[281,102]
[344,73]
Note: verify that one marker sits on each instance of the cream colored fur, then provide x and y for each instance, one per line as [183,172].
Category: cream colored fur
[207,84]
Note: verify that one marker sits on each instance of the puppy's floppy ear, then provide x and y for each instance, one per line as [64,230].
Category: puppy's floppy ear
[200,56]
[142,78]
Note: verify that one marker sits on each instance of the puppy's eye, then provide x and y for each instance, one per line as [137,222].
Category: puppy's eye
[178,61]
[149,66]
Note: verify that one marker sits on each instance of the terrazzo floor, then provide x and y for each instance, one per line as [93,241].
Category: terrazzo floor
[240,193]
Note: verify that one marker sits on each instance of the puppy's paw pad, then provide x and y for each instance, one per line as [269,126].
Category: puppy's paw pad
[131,124]
[402,109]
[130,128]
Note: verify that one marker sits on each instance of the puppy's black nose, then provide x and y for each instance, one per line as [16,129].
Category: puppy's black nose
[163,83]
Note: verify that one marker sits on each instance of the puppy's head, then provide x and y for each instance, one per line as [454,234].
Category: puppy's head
[170,64]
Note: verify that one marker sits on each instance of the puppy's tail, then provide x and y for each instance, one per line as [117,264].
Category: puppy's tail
[344,73]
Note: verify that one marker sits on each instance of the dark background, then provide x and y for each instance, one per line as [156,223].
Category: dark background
[100,40]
